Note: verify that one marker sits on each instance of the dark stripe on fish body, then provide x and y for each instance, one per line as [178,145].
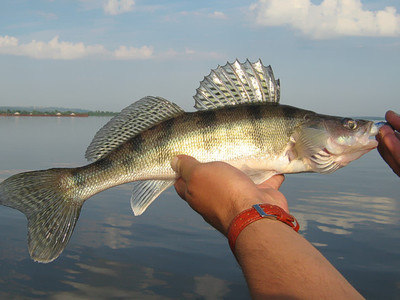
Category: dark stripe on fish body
[131,149]
[136,144]
[225,115]
[254,112]
[289,112]
[208,124]
[168,129]
[255,117]
[77,177]
[106,163]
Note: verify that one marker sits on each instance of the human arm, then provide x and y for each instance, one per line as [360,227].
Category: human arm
[389,141]
[275,260]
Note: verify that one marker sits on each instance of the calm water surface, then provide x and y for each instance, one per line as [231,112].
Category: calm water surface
[351,216]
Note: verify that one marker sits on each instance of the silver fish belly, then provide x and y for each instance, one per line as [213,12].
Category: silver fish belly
[239,121]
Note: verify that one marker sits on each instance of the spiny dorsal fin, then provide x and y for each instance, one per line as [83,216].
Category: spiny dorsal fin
[237,83]
[132,120]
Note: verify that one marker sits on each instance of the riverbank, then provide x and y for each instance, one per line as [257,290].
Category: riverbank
[72,115]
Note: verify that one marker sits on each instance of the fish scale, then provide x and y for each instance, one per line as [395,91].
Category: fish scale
[239,121]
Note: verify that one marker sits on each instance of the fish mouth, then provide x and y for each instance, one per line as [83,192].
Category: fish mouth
[374,128]
[365,142]
[370,142]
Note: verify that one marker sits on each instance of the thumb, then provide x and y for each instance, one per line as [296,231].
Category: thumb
[183,165]
[275,182]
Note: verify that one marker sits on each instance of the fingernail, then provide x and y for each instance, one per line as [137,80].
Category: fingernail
[174,163]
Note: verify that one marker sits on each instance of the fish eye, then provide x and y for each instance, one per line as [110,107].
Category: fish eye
[349,123]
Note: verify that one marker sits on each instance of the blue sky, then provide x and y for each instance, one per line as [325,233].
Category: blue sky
[333,56]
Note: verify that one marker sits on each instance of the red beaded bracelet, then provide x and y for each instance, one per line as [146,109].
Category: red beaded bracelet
[255,213]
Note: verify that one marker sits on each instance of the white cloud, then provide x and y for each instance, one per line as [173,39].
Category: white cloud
[59,50]
[47,16]
[331,18]
[190,51]
[124,52]
[7,42]
[54,49]
[116,7]
[217,15]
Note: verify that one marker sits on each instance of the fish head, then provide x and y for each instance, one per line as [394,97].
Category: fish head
[329,143]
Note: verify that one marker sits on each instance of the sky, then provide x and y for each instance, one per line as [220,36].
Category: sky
[339,57]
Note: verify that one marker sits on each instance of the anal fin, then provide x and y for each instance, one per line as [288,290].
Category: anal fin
[145,192]
[259,176]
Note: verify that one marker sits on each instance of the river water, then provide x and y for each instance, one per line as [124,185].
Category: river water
[351,216]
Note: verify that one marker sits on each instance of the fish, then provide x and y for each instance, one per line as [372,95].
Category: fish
[238,120]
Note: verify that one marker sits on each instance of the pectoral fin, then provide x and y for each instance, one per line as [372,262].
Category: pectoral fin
[310,145]
[257,175]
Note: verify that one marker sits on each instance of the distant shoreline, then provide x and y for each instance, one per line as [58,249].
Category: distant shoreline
[34,111]
[44,115]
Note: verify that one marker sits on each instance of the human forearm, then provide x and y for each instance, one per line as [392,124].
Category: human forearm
[278,262]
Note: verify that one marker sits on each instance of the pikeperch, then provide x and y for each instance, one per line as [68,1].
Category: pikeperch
[239,121]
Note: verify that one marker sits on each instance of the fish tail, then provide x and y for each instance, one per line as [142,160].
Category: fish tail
[51,204]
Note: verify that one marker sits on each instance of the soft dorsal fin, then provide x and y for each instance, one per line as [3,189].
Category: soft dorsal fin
[237,83]
[132,120]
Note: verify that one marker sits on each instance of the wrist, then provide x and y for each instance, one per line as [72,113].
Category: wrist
[238,207]
[255,213]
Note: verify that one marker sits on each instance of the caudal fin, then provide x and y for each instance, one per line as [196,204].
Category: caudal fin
[48,201]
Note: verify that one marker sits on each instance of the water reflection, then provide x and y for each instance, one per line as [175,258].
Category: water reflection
[114,233]
[144,285]
[338,213]
[170,252]
[211,288]
[102,277]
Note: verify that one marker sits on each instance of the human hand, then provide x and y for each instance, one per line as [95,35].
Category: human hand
[219,192]
[389,142]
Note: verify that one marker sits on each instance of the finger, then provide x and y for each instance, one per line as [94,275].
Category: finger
[183,165]
[393,164]
[390,141]
[394,119]
[180,187]
[387,157]
[383,150]
[389,148]
[385,130]
[274,182]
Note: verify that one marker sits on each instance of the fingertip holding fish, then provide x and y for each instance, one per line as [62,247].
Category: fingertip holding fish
[379,125]
[393,112]
[174,163]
